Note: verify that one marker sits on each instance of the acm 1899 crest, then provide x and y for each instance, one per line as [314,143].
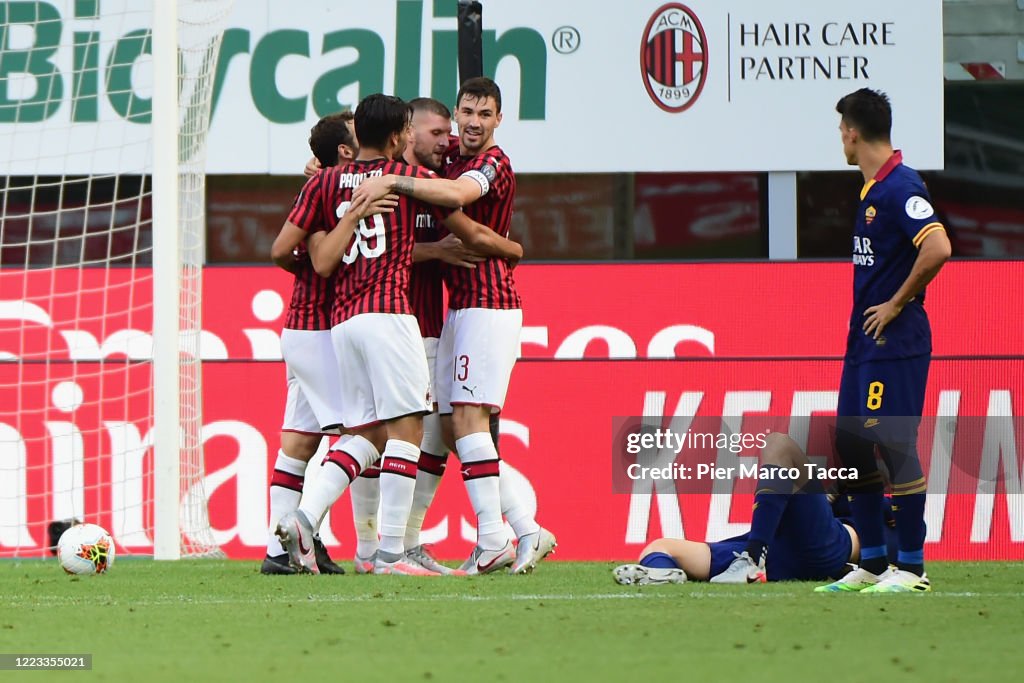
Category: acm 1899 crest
[674,57]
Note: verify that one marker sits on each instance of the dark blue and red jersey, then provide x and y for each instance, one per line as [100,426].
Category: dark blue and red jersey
[894,218]
[490,284]
[811,542]
[374,276]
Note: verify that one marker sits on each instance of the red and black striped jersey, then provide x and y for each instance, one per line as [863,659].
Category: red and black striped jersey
[426,290]
[374,277]
[312,296]
[490,284]
[426,287]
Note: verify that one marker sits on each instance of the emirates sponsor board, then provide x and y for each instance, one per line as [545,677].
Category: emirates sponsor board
[556,439]
[747,334]
[777,310]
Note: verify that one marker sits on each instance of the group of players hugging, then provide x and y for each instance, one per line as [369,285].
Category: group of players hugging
[395,209]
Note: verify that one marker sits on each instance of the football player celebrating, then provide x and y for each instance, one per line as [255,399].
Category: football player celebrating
[479,343]
[312,407]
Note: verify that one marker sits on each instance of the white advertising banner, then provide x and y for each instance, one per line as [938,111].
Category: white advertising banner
[643,85]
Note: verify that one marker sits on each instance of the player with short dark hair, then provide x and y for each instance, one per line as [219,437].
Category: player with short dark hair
[431,126]
[479,342]
[899,246]
[375,337]
[797,532]
[312,407]
[432,133]
[479,345]
[333,139]
[479,88]
[431,129]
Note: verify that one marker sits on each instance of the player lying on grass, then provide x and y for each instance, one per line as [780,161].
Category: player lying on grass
[795,534]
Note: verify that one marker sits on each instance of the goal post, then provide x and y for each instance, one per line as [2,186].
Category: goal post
[104,112]
[168,427]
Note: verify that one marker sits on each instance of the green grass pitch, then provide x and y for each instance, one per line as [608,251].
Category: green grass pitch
[221,620]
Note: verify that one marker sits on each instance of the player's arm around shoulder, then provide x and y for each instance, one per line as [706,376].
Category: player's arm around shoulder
[426,187]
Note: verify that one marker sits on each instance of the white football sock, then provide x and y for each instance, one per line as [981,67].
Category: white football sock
[397,483]
[512,507]
[355,455]
[422,497]
[477,452]
[365,493]
[284,497]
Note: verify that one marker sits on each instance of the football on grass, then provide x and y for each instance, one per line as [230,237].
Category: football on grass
[86,549]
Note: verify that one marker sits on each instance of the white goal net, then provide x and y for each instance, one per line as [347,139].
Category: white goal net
[103,129]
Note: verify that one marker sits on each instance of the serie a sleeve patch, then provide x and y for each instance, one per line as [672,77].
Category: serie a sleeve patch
[919,208]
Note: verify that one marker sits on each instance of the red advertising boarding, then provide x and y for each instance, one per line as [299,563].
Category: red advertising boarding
[721,310]
[600,342]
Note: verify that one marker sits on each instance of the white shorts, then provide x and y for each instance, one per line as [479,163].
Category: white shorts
[430,347]
[381,357]
[314,386]
[432,442]
[475,356]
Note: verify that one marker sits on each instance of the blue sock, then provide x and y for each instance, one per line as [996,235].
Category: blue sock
[770,502]
[658,561]
[910,530]
[874,558]
[869,520]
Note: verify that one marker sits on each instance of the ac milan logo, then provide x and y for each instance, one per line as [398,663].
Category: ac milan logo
[674,57]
